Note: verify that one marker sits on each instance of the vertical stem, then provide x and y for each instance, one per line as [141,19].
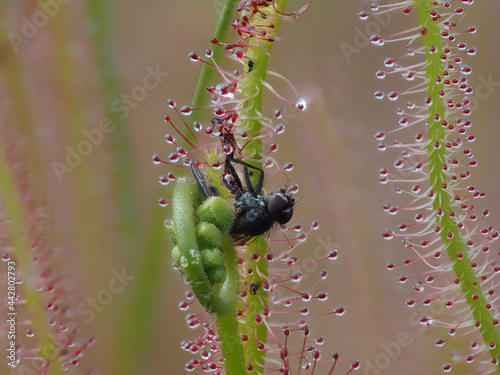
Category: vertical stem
[122,173]
[228,328]
[207,72]
[450,234]
[12,204]
[132,342]
[251,111]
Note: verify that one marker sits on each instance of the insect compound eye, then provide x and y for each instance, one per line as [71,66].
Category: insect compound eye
[280,207]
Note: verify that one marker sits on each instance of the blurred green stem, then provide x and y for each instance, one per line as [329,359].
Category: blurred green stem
[133,343]
[207,73]
[122,171]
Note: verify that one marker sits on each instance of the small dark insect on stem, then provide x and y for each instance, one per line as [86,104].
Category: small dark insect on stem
[254,288]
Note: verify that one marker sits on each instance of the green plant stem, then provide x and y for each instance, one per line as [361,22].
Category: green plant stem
[22,110]
[469,282]
[133,345]
[227,326]
[252,84]
[251,111]
[127,216]
[89,229]
[14,210]
[232,350]
[34,305]
[207,73]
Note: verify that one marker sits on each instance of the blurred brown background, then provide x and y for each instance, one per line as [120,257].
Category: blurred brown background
[333,148]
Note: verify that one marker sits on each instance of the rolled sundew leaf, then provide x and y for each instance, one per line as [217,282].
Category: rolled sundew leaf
[187,199]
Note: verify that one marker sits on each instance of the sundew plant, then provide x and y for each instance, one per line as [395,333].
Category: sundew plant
[244,284]
[276,108]
[441,226]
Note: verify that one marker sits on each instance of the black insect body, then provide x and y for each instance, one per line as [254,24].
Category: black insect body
[254,288]
[254,214]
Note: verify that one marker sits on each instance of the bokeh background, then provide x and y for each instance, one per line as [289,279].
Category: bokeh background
[327,56]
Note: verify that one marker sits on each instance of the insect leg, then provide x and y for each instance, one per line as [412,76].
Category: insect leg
[236,183]
[260,181]
[207,190]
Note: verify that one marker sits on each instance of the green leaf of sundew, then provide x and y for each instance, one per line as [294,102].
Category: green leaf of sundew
[186,198]
[212,257]
[218,212]
[208,235]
